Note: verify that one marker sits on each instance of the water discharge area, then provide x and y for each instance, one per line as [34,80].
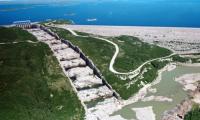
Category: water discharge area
[168,87]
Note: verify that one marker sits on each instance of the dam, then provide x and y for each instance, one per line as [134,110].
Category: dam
[85,78]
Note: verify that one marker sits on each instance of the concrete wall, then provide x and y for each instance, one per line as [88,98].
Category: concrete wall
[91,65]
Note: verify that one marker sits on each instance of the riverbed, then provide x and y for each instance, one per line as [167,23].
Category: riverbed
[168,87]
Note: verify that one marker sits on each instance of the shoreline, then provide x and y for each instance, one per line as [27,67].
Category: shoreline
[136,26]
[189,64]
[146,88]
[179,40]
[189,83]
[141,95]
[100,28]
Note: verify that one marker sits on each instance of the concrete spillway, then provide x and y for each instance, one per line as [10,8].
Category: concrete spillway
[84,76]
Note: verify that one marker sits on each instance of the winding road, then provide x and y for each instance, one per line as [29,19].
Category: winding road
[133,73]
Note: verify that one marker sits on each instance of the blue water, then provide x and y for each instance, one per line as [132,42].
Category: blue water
[175,13]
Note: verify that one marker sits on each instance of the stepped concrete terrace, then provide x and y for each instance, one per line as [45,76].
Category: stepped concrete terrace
[87,81]
[84,78]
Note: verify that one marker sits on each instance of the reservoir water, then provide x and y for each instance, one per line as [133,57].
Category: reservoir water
[176,13]
[167,87]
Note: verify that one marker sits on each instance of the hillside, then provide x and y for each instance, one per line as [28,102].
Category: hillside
[101,52]
[32,84]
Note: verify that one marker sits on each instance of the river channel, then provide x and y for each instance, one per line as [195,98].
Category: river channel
[168,87]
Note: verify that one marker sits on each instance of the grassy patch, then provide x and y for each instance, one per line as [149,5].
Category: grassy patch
[194,114]
[58,22]
[32,84]
[83,34]
[15,35]
[195,60]
[146,77]
[178,58]
[134,52]
[181,59]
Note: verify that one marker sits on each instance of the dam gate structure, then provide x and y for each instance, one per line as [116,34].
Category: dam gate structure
[23,24]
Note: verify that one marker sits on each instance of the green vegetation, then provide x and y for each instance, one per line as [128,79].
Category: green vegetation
[178,58]
[15,35]
[195,60]
[101,52]
[152,73]
[158,65]
[57,22]
[83,34]
[32,84]
[134,52]
[194,114]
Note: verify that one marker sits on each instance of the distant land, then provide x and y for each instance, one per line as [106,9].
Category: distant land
[115,13]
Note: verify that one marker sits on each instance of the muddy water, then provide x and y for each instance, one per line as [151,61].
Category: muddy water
[167,87]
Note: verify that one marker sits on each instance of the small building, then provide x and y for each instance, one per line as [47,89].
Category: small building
[23,24]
